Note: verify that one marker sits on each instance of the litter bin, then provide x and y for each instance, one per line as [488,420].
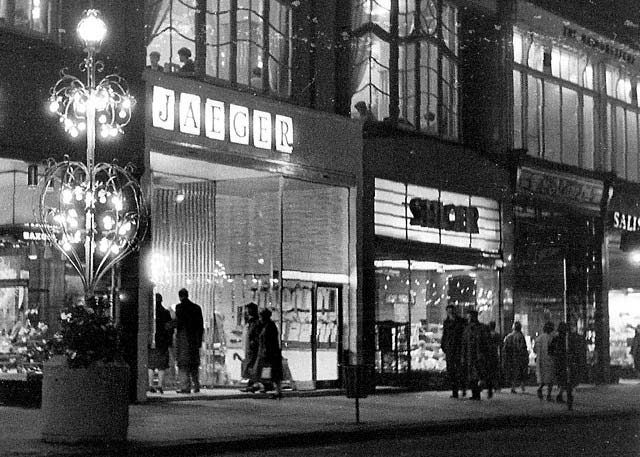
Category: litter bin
[358,381]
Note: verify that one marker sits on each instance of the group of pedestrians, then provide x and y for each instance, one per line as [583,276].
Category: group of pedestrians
[188,325]
[560,360]
[474,352]
[262,363]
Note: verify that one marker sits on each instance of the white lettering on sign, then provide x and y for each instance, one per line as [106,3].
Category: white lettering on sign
[261,129]
[190,114]
[35,236]
[626,222]
[284,134]
[214,120]
[163,106]
[239,124]
[268,131]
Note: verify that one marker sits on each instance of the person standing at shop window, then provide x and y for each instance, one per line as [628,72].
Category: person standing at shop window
[516,357]
[451,345]
[190,329]
[159,355]
[474,353]
[569,365]
[545,369]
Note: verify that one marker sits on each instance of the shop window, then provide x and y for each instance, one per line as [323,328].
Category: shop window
[370,78]
[422,58]
[588,146]
[29,15]
[517,110]
[280,243]
[415,294]
[534,116]
[552,122]
[517,47]
[247,42]
[570,145]
[535,56]
[632,146]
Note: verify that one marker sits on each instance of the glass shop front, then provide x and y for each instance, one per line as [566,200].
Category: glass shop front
[253,201]
[623,253]
[424,263]
[240,236]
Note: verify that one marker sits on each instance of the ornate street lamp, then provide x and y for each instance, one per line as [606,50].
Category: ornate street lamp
[93,213]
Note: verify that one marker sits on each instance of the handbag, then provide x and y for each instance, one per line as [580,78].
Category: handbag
[265,373]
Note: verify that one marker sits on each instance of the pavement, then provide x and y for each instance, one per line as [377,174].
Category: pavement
[220,421]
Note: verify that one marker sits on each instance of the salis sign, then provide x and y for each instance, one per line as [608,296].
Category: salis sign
[221,121]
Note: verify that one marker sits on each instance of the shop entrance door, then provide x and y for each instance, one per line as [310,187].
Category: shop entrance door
[326,340]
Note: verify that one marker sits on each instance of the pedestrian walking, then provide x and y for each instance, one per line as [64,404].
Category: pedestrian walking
[516,357]
[163,339]
[568,350]
[493,359]
[545,367]
[190,329]
[451,345]
[251,345]
[269,359]
[474,353]
[635,350]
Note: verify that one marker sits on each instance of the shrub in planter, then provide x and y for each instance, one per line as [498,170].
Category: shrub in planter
[84,389]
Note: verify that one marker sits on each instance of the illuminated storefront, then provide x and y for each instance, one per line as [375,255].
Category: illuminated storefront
[436,238]
[623,272]
[254,201]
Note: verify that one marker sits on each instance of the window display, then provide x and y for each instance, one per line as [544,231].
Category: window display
[412,297]
[624,316]
[279,243]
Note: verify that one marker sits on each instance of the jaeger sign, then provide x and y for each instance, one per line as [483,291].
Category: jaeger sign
[222,121]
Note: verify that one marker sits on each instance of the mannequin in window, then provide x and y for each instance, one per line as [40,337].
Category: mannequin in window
[364,113]
[187,67]
[154,59]
[256,78]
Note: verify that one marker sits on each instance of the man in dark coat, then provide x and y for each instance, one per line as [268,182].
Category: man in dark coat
[475,342]
[251,346]
[190,329]
[269,353]
[451,345]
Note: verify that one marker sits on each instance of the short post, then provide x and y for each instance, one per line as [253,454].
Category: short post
[357,380]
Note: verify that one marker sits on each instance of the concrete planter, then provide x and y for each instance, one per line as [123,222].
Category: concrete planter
[84,404]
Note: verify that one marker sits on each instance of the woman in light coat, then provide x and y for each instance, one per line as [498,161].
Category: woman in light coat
[545,368]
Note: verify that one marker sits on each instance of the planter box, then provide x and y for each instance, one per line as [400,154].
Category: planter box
[84,404]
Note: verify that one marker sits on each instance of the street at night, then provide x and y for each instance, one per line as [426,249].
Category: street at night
[618,437]
[320,228]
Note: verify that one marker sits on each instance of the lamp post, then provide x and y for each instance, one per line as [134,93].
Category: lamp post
[95,214]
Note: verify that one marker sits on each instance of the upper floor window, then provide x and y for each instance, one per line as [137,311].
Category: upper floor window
[405,63]
[246,42]
[29,15]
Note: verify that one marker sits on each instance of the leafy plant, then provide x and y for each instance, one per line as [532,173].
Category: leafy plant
[88,335]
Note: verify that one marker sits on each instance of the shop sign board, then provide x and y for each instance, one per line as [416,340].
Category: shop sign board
[627,222]
[429,215]
[221,121]
[560,188]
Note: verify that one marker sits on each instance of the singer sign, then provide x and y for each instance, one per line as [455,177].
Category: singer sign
[221,121]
